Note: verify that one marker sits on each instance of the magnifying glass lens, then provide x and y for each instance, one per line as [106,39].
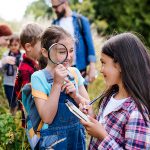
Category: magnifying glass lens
[58,53]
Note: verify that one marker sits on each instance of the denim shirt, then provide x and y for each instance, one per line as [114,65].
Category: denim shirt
[85,53]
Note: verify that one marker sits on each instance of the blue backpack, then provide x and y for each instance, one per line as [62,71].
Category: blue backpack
[33,120]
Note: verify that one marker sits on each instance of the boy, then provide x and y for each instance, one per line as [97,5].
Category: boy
[30,41]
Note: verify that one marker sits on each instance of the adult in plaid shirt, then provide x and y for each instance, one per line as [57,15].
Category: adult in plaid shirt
[123,121]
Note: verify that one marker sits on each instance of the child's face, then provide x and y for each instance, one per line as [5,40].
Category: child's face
[36,50]
[110,70]
[69,44]
[14,46]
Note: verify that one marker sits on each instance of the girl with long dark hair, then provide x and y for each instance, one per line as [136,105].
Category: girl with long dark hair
[123,121]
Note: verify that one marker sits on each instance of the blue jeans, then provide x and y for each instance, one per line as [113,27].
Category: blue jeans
[11,97]
[65,132]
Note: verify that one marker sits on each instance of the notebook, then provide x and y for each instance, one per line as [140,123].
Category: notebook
[76,111]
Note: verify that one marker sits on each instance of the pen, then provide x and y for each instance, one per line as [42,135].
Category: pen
[95,99]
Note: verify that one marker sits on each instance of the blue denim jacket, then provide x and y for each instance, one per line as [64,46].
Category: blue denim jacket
[85,53]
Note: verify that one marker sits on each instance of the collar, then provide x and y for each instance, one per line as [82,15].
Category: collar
[14,54]
[31,62]
[74,14]
[126,105]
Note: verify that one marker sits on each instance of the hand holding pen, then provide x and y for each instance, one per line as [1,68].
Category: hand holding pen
[91,102]
[87,108]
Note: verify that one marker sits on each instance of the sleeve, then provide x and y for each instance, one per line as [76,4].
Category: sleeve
[88,39]
[38,87]
[137,135]
[22,78]
[80,78]
[3,56]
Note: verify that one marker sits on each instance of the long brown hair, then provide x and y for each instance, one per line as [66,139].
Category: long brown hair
[134,60]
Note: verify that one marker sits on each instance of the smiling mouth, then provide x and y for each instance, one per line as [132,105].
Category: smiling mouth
[66,63]
[104,75]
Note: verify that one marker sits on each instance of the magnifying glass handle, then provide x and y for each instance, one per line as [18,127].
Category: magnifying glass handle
[70,76]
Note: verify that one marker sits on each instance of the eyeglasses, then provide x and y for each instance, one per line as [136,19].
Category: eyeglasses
[56,6]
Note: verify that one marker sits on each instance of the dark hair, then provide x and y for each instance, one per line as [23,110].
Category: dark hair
[52,35]
[130,53]
[5,30]
[14,37]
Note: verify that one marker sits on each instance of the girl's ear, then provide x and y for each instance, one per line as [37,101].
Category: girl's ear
[28,47]
[118,67]
[44,52]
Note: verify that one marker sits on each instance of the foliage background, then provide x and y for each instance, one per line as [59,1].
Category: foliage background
[106,17]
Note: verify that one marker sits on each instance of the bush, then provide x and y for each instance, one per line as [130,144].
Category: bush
[117,16]
[12,136]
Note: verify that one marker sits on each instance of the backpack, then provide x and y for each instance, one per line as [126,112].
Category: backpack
[33,120]
[81,28]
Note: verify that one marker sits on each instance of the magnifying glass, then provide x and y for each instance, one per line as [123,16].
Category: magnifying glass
[58,54]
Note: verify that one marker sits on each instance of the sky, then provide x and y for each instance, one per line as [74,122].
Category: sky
[11,10]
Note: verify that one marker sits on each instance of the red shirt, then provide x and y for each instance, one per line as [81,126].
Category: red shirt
[26,68]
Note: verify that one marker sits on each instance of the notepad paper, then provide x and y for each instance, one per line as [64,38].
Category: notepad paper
[76,111]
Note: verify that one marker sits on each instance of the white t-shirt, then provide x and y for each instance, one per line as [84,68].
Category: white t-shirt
[67,24]
[111,106]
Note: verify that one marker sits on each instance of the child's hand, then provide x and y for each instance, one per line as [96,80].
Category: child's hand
[60,73]
[87,109]
[94,128]
[69,88]
[8,60]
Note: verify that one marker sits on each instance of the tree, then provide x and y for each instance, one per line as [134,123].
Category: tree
[108,16]
[124,15]
[39,9]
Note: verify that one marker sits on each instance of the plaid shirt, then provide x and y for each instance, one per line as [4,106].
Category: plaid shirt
[125,127]
[26,68]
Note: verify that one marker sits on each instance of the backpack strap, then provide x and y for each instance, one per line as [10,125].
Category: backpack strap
[48,76]
[81,27]
[80,24]
[73,72]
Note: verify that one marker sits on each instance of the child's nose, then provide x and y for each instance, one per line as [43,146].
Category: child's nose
[69,55]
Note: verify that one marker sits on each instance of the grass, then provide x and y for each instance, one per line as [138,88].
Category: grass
[94,90]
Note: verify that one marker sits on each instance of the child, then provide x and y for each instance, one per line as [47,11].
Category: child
[123,121]
[61,126]
[30,41]
[11,70]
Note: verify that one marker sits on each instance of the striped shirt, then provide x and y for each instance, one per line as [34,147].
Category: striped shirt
[126,128]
